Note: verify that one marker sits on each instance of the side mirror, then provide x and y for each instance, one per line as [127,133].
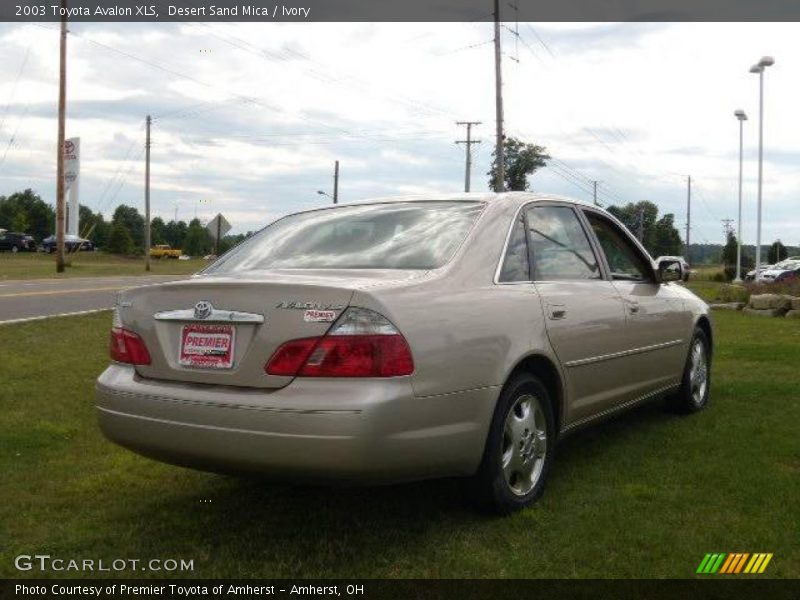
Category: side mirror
[670,270]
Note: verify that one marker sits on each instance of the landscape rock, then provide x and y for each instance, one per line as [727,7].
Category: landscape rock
[727,306]
[795,303]
[766,312]
[770,301]
[793,314]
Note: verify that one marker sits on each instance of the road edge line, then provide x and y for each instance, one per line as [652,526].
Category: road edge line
[43,317]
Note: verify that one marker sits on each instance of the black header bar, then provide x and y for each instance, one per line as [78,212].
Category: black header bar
[155,11]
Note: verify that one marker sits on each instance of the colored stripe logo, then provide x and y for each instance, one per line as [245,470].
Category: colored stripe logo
[733,563]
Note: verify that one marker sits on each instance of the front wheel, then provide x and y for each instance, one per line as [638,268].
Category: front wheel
[696,383]
[519,448]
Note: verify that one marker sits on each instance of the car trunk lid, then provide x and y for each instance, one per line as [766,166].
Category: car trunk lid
[215,330]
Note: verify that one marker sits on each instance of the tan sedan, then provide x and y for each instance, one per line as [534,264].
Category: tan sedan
[404,339]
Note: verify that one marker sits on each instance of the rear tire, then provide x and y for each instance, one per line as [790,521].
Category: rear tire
[519,448]
[693,394]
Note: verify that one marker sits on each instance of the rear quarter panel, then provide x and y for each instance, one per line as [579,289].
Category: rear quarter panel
[462,339]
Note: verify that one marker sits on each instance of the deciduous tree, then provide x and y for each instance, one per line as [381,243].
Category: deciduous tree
[521,160]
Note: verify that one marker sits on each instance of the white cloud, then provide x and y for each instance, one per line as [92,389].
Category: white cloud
[254,115]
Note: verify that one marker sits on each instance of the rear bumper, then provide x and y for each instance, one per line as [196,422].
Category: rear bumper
[370,430]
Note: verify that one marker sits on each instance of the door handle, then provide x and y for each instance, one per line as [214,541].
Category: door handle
[556,311]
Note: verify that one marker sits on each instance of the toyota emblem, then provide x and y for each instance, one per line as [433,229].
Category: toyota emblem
[202,310]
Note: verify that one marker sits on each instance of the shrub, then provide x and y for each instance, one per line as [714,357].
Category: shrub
[730,272]
[733,293]
[120,240]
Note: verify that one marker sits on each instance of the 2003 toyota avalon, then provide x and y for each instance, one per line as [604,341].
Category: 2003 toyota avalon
[405,339]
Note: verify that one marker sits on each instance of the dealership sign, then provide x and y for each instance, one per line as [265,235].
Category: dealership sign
[72,171]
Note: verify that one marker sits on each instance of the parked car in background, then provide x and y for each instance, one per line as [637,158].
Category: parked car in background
[16,242]
[751,275]
[72,243]
[680,259]
[781,272]
[165,251]
[404,339]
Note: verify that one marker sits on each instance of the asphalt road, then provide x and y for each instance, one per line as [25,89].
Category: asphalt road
[37,298]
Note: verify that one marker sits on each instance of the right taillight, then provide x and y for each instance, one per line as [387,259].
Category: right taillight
[128,347]
[362,343]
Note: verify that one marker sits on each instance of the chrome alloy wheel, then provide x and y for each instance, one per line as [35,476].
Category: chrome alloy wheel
[524,444]
[698,373]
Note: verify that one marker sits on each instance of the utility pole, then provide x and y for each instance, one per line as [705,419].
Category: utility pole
[727,225]
[147,197]
[594,194]
[500,167]
[336,183]
[468,142]
[688,213]
[62,101]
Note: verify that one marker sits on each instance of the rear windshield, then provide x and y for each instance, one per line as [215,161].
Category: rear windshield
[403,235]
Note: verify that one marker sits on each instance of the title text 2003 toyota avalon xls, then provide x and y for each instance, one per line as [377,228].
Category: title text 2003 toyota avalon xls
[405,339]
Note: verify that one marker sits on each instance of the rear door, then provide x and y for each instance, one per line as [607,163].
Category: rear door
[584,312]
[656,321]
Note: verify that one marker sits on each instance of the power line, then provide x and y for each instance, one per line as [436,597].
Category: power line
[540,40]
[14,87]
[13,139]
[462,48]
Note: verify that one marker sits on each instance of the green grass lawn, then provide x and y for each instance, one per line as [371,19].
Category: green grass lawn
[707,290]
[89,264]
[645,495]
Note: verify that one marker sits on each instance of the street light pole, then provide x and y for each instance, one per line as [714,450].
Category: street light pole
[147,197]
[742,116]
[766,61]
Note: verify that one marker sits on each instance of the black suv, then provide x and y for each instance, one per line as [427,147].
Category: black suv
[17,242]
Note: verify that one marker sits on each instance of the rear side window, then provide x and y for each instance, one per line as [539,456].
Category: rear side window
[396,235]
[559,245]
[624,259]
[516,266]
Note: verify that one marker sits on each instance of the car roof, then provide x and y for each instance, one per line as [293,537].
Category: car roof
[504,198]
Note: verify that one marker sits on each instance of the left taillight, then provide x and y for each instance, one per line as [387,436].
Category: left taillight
[128,347]
[362,343]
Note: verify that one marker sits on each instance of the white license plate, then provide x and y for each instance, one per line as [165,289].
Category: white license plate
[207,346]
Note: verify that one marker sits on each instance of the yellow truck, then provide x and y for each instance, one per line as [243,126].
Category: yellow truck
[165,251]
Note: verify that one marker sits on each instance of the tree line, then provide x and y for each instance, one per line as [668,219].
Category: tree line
[123,234]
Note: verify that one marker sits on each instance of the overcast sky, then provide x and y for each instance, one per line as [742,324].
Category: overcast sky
[249,118]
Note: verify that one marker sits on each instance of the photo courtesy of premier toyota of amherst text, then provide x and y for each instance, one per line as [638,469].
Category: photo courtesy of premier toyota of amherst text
[360,299]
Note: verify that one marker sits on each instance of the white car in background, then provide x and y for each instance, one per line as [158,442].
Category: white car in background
[751,275]
[779,271]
